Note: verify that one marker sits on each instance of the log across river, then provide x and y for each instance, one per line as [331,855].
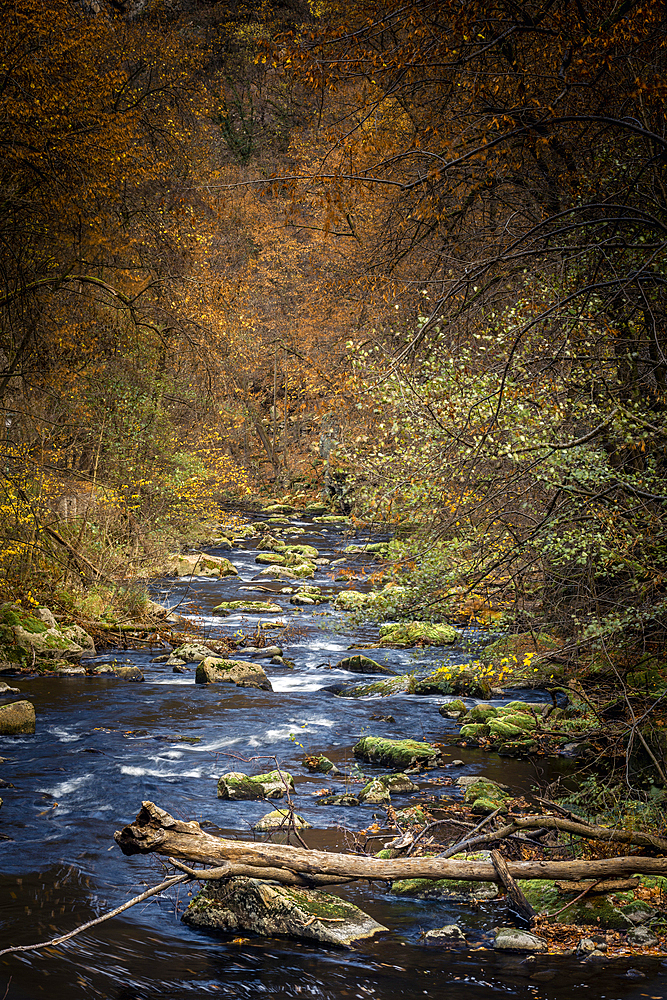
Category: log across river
[103,746]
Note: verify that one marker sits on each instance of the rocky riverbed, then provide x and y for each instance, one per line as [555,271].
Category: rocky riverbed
[280,681]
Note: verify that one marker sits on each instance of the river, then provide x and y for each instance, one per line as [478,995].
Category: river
[103,745]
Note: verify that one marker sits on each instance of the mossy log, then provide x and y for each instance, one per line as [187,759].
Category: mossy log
[155,830]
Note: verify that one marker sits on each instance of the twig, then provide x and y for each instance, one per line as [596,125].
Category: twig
[99,920]
[575,900]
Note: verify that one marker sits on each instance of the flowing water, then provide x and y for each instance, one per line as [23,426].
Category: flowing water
[103,745]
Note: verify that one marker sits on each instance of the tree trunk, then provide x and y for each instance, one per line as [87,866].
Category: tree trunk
[155,830]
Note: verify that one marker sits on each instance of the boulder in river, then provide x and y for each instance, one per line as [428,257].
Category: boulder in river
[237,785]
[270,558]
[25,637]
[17,718]
[382,689]
[117,670]
[359,664]
[375,793]
[453,890]
[485,796]
[200,564]
[279,819]
[321,764]
[247,904]
[190,652]
[470,680]
[449,934]
[214,670]
[403,634]
[5,689]
[515,939]
[395,753]
[247,607]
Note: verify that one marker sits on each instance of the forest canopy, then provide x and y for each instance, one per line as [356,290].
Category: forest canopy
[434,232]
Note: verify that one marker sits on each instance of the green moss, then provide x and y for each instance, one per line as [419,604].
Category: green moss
[476,730]
[481,713]
[405,634]
[384,688]
[395,753]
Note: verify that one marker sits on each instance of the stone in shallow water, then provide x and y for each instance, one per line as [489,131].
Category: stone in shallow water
[279,819]
[362,665]
[17,718]
[246,904]
[395,753]
[642,937]
[449,934]
[272,785]
[513,939]
[240,672]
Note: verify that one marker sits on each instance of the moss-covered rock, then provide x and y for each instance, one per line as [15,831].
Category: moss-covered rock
[375,689]
[25,637]
[395,753]
[359,664]
[301,553]
[480,713]
[271,558]
[200,564]
[190,652]
[247,607]
[452,890]
[309,595]
[476,730]
[125,673]
[375,793]
[603,911]
[351,600]
[272,785]
[279,819]
[404,634]
[398,783]
[213,670]
[321,764]
[453,709]
[17,718]
[245,904]
[342,799]
[469,680]
[485,796]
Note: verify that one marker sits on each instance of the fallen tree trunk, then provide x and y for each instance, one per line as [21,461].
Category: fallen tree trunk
[155,830]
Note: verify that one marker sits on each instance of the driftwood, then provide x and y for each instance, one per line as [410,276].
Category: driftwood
[155,830]
[521,904]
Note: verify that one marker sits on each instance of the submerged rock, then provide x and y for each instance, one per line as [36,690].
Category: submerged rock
[246,904]
[279,819]
[359,664]
[395,753]
[272,785]
[514,939]
[17,718]
[243,673]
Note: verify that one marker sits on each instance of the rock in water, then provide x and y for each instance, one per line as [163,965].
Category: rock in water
[513,939]
[17,718]
[395,753]
[247,607]
[279,819]
[246,904]
[272,785]
[219,671]
[363,665]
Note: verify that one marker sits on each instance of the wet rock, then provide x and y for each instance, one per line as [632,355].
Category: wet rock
[375,793]
[451,679]
[5,689]
[403,634]
[454,890]
[586,947]
[449,934]
[116,670]
[200,564]
[263,653]
[24,637]
[642,937]
[180,668]
[279,819]
[453,709]
[215,670]
[302,553]
[247,607]
[514,939]
[190,652]
[70,671]
[485,796]
[363,665]
[350,600]
[270,558]
[309,595]
[321,764]
[399,783]
[344,799]
[279,508]
[395,753]
[17,718]
[245,904]
[272,785]
[376,688]
[301,600]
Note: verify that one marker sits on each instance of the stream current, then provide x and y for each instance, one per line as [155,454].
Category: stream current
[103,745]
